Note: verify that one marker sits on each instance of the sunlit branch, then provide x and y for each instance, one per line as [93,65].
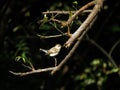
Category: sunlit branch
[33,72]
[64,12]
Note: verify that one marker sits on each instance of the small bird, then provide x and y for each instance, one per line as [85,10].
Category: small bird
[54,51]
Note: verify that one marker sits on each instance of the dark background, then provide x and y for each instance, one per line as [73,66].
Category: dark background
[13,15]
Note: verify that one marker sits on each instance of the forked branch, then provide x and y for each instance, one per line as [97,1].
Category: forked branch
[77,36]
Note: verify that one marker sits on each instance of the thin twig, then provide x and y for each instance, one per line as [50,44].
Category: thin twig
[113,47]
[55,26]
[27,67]
[56,20]
[105,53]
[51,36]
[33,72]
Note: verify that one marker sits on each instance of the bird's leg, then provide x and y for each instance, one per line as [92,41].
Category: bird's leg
[55,61]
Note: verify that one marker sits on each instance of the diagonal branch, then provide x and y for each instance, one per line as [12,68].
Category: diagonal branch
[77,36]
[78,13]
[113,47]
[85,24]
[80,32]
[105,53]
[73,49]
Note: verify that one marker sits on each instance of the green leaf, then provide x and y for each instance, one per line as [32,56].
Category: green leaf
[89,81]
[83,76]
[115,28]
[95,62]
[75,2]
[45,27]
[114,70]
[17,28]
[87,70]
[27,14]
[45,19]
[18,58]
[100,81]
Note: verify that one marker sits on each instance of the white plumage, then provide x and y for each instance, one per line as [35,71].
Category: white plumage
[52,51]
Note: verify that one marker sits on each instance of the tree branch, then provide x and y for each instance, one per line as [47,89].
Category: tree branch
[51,36]
[105,53]
[73,49]
[64,12]
[78,12]
[85,24]
[77,36]
[113,47]
[33,72]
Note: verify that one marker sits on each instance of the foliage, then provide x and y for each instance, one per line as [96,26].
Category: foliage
[95,74]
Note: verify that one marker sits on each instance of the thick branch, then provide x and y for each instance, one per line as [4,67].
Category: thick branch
[85,24]
[78,35]
[79,11]
[73,49]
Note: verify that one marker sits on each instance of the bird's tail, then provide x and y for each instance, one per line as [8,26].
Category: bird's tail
[43,50]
